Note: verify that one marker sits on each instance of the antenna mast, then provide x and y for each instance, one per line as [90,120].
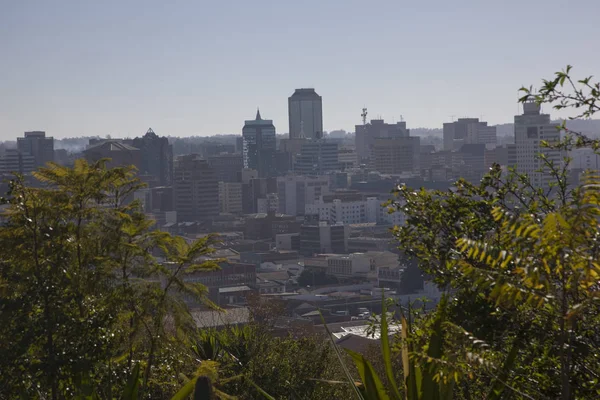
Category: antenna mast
[364,116]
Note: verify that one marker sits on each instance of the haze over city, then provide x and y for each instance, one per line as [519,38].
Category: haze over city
[202,68]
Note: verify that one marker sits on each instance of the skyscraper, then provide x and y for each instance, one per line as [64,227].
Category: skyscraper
[156,156]
[468,131]
[531,128]
[39,146]
[367,133]
[195,189]
[317,157]
[305,112]
[259,145]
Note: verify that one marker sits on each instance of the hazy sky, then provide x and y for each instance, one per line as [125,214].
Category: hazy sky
[84,67]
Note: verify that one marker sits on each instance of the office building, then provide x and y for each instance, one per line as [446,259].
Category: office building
[13,161]
[268,204]
[317,157]
[259,145]
[305,113]
[119,153]
[347,159]
[228,166]
[36,144]
[156,157]
[468,131]
[469,162]
[254,189]
[195,189]
[230,197]
[267,225]
[396,156]
[321,237]
[366,134]
[295,191]
[531,129]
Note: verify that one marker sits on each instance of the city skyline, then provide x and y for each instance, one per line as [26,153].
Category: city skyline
[75,69]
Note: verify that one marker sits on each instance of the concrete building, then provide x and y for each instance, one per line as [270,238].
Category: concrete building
[322,237]
[305,113]
[13,161]
[469,162]
[531,128]
[350,212]
[268,204]
[584,159]
[396,156]
[295,191]
[254,189]
[195,189]
[230,197]
[506,155]
[156,157]
[228,166]
[468,131]
[119,153]
[347,159]
[259,145]
[267,226]
[36,144]
[365,136]
[317,157]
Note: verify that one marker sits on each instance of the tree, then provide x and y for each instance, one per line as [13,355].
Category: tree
[83,297]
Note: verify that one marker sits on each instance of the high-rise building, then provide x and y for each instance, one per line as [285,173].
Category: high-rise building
[156,157]
[230,197]
[259,145]
[228,166]
[13,161]
[36,144]
[321,237]
[366,134]
[317,157]
[469,162]
[195,189]
[531,129]
[305,112]
[294,192]
[396,156]
[468,131]
[119,153]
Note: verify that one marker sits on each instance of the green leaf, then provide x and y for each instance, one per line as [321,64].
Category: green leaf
[133,385]
[260,390]
[374,389]
[385,345]
[185,391]
[340,359]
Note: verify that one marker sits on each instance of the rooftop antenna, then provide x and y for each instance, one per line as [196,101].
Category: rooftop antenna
[364,116]
[452,116]
[302,129]
[401,118]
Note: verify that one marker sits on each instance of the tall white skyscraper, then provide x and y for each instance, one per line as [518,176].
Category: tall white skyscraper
[531,128]
[305,112]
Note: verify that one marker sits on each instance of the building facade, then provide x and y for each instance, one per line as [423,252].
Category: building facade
[259,146]
[195,189]
[37,145]
[397,156]
[468,131]
[230,197]
[295,191]
[305,113]
[366,134]
[228,166]
[317,157]
[531,129]
[156,157]
[321,237]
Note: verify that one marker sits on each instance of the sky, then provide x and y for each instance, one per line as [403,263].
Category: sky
[199,67]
